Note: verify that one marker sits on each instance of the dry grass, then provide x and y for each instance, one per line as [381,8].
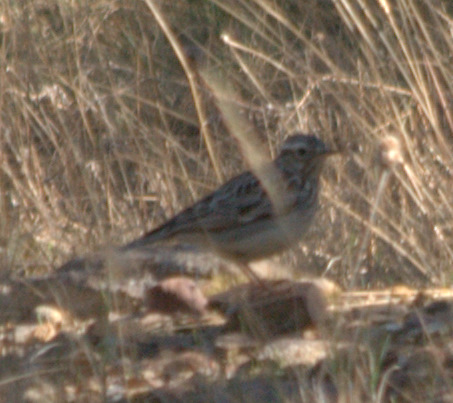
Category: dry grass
[102,104]
[115,115]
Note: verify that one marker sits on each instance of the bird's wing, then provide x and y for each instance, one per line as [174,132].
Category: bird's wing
[240,201]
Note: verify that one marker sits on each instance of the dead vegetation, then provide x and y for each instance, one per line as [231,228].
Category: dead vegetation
[115,115]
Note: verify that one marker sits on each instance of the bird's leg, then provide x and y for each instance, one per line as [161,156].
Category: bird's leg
[251,275]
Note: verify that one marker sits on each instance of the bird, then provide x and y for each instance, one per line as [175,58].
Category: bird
[251,216]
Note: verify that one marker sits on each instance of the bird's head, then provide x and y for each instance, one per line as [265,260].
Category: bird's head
[304,150]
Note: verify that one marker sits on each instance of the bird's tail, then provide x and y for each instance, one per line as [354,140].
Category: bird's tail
[148,239]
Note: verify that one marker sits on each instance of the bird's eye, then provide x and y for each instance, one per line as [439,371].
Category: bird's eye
[301,152]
